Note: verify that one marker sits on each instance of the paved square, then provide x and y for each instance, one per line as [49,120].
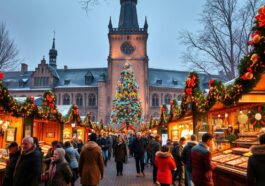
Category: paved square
[128,178]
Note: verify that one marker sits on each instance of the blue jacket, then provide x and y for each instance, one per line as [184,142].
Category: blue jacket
[73,157]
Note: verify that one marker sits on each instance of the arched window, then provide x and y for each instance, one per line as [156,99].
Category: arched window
[167,99]
[155,100]
[92,100]
[66,99]
[179,97]
[79,100]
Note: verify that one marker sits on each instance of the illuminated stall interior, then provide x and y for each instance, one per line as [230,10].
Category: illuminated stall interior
[180,128]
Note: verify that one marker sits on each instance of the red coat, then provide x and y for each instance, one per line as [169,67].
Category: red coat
[165,163]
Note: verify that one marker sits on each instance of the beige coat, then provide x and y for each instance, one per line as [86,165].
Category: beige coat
[91,167]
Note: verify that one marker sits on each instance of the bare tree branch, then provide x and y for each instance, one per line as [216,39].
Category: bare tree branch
[223,41]
[88,4]
[8,51]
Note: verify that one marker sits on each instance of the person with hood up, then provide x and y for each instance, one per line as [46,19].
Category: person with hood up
[256,164]
[59,171]
[73,156]
[165,164]
[91,165]
[186,158]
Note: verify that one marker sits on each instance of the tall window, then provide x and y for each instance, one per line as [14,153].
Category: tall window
[179,97]
[79,100]
[155,100]
[92,100]
[66,99]
[41,81]
[167,99]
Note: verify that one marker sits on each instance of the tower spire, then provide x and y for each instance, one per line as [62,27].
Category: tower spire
[145,24]
[110,23]
[128,15]
[53,54]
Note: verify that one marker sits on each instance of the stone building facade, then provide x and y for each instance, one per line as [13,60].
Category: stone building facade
[93,89]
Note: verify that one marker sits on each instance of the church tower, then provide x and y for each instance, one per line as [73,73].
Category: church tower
[128,44]
[53,55]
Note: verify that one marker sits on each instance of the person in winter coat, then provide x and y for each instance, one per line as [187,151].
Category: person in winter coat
[91,166]
[120,153]
[14,153]
[104,144]
[28,167]
[201,162]
[155,146]
[186,158]
[256,164]
[165,164]
[59,172]
[176,152]
[73,156]
[138,146]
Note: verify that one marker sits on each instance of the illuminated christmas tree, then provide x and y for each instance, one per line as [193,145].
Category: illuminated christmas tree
[126,107]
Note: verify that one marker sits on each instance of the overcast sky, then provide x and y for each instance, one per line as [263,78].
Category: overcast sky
[81,38]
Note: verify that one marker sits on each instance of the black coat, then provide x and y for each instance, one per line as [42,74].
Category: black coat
[155,146]
[8,179]
[176,152]
[186,154]
[139,147]
[120,152]
[256,164]
[28,169]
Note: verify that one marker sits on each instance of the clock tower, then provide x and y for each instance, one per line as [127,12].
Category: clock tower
[128,44]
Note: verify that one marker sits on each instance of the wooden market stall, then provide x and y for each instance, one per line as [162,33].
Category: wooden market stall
[181,128]
[72,128]
[237,125]
[47,130]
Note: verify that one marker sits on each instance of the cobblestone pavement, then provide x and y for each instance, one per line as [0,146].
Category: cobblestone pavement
[129,175]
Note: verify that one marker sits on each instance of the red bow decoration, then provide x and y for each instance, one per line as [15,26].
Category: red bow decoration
[189,91]
[261,17]
[211,82]
[1,75]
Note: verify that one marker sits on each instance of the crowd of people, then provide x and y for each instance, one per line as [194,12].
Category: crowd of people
[180,163]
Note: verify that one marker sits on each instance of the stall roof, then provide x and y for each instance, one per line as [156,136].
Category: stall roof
[38,100]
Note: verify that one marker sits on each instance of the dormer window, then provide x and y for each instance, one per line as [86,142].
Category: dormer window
[23,82]
[89,78]
[159,81]
[175,82]
[67,81]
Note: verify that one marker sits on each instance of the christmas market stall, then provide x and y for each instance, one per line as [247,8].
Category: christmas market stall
[238,125]
[87,124]
[48,123]
[183,120]
[72,125]
[12,119]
